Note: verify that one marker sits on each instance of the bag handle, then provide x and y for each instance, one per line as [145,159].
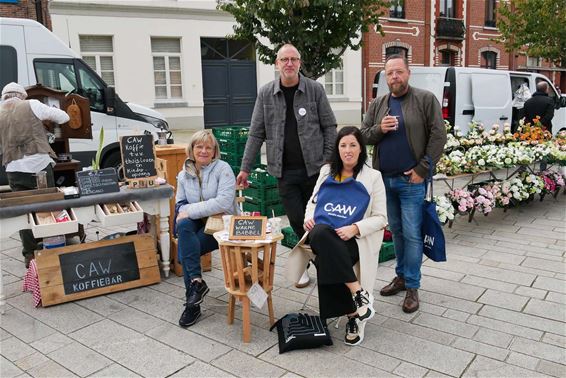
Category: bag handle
[428,181]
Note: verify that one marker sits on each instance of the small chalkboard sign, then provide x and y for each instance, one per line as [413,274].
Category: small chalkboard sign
[97,182]
[245,227]
[138,156]
[99,267]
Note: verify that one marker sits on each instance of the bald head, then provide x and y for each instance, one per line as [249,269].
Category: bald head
[288,47]
[542,86]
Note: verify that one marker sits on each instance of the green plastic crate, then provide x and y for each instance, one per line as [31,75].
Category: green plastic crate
[265,209]
[232,133]
[265,195]
[235,160]
[232,147]
[260,178]
[290,239]
[387,252]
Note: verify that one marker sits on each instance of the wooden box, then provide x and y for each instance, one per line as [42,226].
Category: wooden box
[25,197]
[46,230]
[87,270]
[108,219]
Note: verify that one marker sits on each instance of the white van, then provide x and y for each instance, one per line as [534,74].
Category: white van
[477,94]
[31,54]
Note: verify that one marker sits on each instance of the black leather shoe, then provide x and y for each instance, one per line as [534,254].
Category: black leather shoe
[196,293]
[190,316]
[396,286]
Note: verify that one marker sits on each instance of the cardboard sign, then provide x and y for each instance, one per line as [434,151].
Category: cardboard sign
[138,156]
[244,227]
[97,182]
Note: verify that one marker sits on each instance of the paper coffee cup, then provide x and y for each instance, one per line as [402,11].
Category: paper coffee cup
[275,225]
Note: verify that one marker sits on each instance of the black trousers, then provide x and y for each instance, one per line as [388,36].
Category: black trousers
[295,189]
[334,263]
[26,181]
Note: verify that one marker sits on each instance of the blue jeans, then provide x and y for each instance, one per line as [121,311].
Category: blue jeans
[405,214]
[192,243]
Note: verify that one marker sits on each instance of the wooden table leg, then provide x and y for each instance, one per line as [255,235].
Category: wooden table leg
[246,319]
[270,308]
[231,306]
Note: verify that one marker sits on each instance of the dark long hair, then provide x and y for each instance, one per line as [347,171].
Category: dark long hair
[336,164]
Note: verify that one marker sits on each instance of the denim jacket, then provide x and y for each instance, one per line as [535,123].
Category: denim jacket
[316,126]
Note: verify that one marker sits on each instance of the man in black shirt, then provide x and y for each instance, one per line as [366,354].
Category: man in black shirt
[293,116]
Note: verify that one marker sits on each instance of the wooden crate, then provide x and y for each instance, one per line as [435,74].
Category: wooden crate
[87,270]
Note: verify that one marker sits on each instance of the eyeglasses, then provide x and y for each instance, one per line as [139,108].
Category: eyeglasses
[286,60]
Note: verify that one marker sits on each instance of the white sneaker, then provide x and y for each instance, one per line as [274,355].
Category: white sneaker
[354,331]
[304,281]
[364,305]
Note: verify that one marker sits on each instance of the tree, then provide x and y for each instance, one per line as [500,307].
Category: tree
[539,26]
[321,30]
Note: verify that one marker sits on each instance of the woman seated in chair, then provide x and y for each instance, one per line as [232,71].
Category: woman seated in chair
[344,220]
[206,186]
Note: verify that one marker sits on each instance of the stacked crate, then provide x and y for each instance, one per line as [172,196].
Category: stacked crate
[232,142]
[290,239]
[263,195]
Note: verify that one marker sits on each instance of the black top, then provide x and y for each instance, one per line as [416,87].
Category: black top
[540,105]
[292,153]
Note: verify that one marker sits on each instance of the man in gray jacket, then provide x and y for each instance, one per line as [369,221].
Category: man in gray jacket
[407,130]
[293,116]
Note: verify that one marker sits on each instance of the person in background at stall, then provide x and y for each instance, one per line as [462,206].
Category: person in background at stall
[541,105]
[206,186]
[294,118]
[345,218]
[25,146]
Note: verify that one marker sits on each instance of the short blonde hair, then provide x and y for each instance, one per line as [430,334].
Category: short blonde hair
[203,136]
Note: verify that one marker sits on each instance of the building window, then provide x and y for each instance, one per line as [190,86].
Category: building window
[397,9]
[489,59]
[447,58]
[166,54]
[97,52]
[396,50]
[448,8]
[533,61]
[490,13]
[333,82]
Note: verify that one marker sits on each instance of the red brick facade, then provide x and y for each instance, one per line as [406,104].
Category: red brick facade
[431,39]
[26,9]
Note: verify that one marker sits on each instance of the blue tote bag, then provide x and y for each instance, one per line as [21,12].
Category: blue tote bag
[340,204]
[434,244]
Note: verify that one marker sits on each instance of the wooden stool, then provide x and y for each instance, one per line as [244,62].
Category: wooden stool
[205,260]
[245,264]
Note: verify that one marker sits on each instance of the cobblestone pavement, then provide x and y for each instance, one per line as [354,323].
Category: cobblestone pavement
[497,308]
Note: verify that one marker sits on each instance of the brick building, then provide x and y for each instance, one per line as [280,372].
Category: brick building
[32,9]
[443,33]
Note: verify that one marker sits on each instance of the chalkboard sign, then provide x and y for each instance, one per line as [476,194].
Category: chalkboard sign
[138,156]
[97,182]
[99,267]
[244,227]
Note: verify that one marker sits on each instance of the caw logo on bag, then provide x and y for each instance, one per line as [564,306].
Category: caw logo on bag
[340,203]
[428,241]
[341,211]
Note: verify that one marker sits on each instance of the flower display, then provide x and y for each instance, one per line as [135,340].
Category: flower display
[484,200]
[462,200]
[444,208]
[552,181]
[532,133]
[533,184]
